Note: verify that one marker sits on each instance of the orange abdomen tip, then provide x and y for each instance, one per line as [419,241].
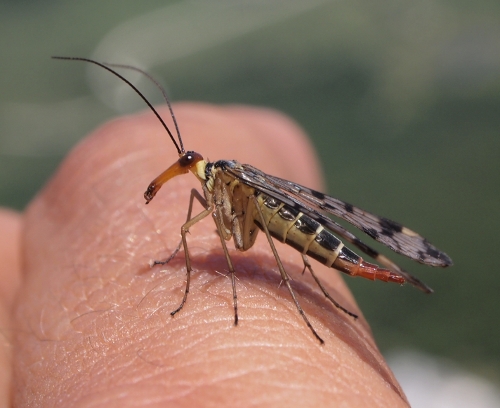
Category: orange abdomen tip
[373,272]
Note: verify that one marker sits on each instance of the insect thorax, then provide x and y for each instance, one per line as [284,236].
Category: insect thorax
[233,202]
[235,205]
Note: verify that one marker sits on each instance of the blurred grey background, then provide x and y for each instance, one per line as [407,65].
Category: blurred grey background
[400,98]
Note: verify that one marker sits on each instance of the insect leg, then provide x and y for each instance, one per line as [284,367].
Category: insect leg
[194,194]
[229,264]
[284,276]
[184,231]
[308,265]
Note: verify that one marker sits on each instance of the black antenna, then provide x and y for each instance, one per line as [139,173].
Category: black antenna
[180,151]
[162,90]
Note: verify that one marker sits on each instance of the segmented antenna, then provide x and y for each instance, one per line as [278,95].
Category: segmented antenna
[180,150]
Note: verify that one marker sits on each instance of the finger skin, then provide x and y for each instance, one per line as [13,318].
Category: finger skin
[94,324]
[10,278]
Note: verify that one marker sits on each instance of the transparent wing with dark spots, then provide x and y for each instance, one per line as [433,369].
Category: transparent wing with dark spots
[392,234]
[256,180]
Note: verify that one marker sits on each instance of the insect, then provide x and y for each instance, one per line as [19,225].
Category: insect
[243,200]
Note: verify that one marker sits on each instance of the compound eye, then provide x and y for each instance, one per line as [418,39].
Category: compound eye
[188,159]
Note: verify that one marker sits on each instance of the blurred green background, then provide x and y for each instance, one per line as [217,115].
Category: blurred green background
[401,99]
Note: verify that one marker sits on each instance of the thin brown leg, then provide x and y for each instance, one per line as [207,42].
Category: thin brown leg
[284,275]
[308,265]
[194,194]
[184,231]
[229,264]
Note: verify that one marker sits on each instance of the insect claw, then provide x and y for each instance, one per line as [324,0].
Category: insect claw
[166,261]
[178,309]
[154,263]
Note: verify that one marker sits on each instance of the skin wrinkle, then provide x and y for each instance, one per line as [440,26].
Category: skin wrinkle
[224,378]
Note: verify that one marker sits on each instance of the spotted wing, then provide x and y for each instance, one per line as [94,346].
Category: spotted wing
[392,234]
